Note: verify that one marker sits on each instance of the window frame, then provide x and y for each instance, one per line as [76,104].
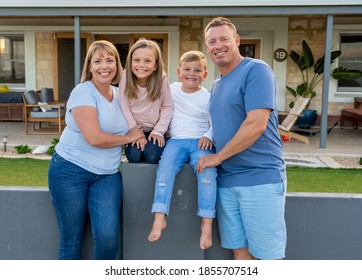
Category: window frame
[12,85]
[335,93]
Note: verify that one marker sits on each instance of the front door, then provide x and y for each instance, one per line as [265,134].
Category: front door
[64,63]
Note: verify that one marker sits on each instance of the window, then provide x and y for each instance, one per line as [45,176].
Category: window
[12,57]
[351,58]
[250,48]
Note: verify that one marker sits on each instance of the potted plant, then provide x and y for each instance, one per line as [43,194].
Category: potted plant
[305,61]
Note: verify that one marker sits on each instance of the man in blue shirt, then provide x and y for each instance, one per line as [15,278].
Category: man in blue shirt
[249,155]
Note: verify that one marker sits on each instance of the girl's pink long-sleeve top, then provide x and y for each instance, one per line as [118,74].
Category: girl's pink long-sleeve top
[152,116]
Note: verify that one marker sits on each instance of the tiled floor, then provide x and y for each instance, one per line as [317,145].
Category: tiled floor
[339,141]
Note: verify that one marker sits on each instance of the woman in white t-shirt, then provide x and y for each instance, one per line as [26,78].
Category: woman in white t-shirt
[84,174]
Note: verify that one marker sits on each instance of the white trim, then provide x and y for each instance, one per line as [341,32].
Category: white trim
[30,61]
[333,94]
[90,29]
[173,3]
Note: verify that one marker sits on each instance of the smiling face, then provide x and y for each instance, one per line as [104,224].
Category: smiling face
[143,65]
[191,75]
[222,44]
[103,67]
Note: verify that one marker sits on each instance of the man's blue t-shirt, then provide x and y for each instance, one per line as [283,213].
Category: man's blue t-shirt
[250,86]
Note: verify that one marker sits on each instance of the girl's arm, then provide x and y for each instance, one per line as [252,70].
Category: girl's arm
[165,110]
[86,118]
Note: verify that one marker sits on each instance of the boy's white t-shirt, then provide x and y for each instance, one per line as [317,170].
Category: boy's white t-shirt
[191,117]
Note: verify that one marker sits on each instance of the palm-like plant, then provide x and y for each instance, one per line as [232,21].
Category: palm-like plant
[305,61]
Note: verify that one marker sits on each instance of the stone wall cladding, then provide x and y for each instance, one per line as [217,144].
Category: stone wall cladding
[44,60]
[311,29]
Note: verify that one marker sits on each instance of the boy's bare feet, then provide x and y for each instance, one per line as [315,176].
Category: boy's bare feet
[158,226]
[206,233]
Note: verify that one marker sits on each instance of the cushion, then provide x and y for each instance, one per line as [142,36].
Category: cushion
[354,111]
[47,95]
[32,98]
[41,149]
[49,114]
[45,107]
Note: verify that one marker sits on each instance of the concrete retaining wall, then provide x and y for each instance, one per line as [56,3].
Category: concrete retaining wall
[320,226]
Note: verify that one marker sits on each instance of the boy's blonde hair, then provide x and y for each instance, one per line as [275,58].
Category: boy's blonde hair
[100,46]
[193,56]
[154,82]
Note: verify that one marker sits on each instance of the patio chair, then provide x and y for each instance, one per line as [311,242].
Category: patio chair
[285,127]
[353,114]
[39,112]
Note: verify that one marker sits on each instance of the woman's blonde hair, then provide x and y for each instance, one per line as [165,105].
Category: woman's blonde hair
[100,46]
[154,81]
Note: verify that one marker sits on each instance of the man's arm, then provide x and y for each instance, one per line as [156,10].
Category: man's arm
[249,131]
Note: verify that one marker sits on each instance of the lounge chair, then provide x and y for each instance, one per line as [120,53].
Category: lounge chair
[291,118]
[40,112]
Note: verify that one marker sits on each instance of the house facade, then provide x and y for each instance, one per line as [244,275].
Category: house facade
[43,44]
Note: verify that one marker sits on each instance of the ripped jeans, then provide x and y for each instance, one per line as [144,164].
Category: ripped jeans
[176,154]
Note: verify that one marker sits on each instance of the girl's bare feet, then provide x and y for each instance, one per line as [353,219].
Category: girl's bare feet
[158,226]
[206,233]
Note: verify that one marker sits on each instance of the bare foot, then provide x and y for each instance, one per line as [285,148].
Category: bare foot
[206,233]
[158,226]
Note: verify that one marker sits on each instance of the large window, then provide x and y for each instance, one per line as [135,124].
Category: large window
[351,58]
[12,65]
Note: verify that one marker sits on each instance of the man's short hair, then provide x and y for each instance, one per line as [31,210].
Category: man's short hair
[218,21]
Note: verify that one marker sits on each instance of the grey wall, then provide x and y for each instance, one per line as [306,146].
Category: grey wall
[319,226]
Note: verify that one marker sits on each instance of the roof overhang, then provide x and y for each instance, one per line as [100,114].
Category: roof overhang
[181,11]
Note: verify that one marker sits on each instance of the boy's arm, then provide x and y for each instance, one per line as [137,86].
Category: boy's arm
[208,133]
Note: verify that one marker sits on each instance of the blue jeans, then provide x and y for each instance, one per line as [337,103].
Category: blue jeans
[177,153]
[151,154]
[75,192]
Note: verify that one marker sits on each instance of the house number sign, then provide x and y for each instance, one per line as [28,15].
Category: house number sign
[280,54]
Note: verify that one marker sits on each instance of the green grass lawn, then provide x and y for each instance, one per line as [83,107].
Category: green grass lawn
[34,172]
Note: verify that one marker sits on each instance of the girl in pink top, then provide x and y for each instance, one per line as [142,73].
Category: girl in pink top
[145,98]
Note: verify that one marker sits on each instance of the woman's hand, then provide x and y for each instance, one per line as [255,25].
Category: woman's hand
[135,133]
[156,138]
[205,143]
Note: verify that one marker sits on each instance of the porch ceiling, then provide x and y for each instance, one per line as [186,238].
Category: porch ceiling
[181,11]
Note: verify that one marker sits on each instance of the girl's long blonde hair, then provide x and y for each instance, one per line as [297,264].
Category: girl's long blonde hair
[154,82]
[108,47]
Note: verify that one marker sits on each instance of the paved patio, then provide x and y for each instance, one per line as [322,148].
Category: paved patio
[340,142]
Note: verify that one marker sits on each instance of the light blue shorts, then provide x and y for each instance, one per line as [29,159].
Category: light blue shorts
[253,217]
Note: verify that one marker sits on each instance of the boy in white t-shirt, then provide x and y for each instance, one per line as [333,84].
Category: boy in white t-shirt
[191,137]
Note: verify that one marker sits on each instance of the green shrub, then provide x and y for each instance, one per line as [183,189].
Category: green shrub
[51,148]
[22,149]
[360,161]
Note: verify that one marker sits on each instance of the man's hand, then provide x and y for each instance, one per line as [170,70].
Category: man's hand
[208,161]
